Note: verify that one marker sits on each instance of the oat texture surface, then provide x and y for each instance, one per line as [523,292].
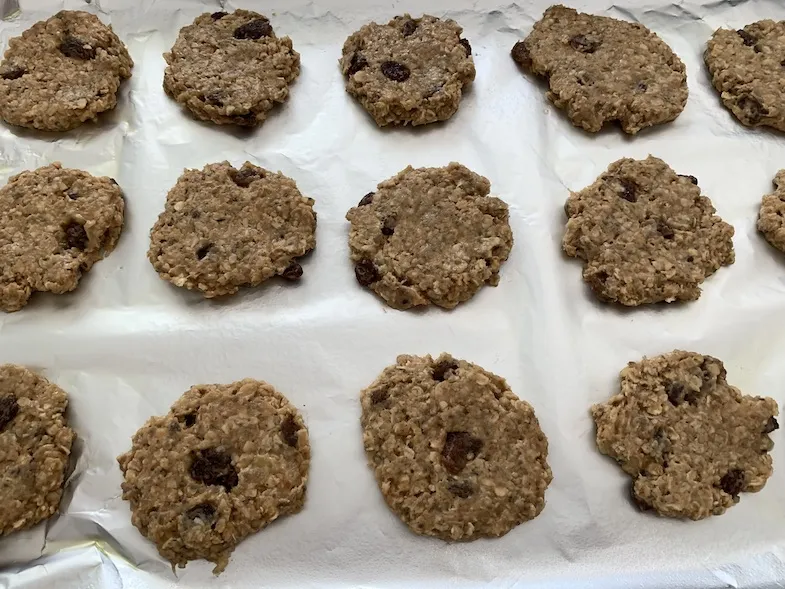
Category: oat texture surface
[35,446]
[408,71]
[746,69]
[456,453]
[429,235]
[771,218]
[602,69]
[230,68]
[62,72]
[224,228]
[55,223]
[691,442]
[646,234]
[226,461]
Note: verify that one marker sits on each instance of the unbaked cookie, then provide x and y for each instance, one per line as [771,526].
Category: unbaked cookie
[55,223]
[35,445]
[62,72]
[689,440]
[646,234]
[455,453]
[600,69]
[230,68]
[746,69]
[430,235]
[224,228]
[226,461]
[409,71]
[771,219]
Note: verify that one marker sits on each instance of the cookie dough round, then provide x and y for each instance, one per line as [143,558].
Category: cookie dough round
[409,71]
[601,69]
[35,445]
[55,223]
[430,235]
[646,234]
[230,68]
[455,453]
[62,72]
[690,441]
[224,228]
[771,219]
[226,461]
[746,69]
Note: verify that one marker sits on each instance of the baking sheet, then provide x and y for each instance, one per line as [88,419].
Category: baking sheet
[126,344]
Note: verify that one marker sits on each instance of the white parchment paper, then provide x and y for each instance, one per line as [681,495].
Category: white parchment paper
[126,344]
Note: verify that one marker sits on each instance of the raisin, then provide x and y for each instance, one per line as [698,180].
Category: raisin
[72,194]
[256,29]
[641,87]
[293,271]
[218,15]
[397,72]
[584,44]
[665,230]
[358,63]
[752,108]
[8,410]
[379,396]
[189,419]
[244,177]
[213,98]
[462,489]
[748,39]
[692,179]
[367,199]
[629,190]
[366,273]
[771,425]
[214,467]
[439,372]
[73,47]
[466,45]
[203,251]
[458,448]
[204,513]
[732,482]
[14,73]
[520,54]
[388,227]
[409,27]
[75,236]
[675,392]
[289,429]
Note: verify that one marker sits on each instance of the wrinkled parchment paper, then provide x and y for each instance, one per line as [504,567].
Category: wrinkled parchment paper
[126,344]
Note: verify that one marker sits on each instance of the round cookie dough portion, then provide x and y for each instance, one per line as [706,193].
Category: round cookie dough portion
[409,71]
[430,235]
[746,69]
[646,234]
[230,68]
[690,441]
[455,453]
[224,228]
[771,219]
[222,464]
[601,69]
[35,445]
[62,72]
[55,223]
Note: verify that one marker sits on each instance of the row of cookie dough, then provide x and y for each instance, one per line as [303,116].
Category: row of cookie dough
[456,454]
[408,71]
[427,235]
